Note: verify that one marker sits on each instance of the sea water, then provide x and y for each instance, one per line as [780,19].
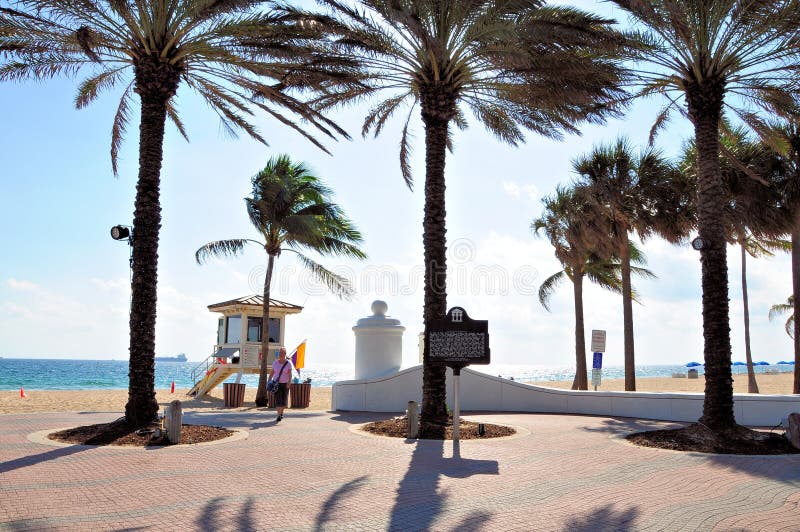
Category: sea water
[62,374]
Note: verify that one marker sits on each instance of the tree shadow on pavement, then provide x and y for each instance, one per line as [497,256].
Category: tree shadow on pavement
[784,468]
[335,499]
[210,519]
[243,419]
[419,499]
[626,425]
[30,460]
[605,518]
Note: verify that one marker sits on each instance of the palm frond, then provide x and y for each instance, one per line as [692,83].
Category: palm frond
[222,248]
[548,287]
[337,284]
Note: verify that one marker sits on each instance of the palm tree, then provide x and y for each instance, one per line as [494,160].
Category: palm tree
[635,193]
[220,48]
[292,211]
[752,213]
[789,165]
[716,55]
[516,65]
[562,224]
[784,308]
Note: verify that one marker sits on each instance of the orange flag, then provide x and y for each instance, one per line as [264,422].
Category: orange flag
[22,393]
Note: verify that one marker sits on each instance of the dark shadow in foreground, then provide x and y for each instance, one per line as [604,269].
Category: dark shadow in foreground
[419,500]
[605,518]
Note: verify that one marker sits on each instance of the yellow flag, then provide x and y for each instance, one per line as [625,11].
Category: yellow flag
[299,356]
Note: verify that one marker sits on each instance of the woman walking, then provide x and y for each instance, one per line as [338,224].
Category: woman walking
[282,376]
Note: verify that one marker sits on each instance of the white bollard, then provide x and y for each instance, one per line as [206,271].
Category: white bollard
[413,420]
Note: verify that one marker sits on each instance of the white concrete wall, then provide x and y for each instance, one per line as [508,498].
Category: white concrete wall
[481,392]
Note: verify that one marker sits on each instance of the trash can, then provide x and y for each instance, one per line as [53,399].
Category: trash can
[233,394]
[301,395]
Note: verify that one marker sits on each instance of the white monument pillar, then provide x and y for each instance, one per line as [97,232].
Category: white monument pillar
[379,344]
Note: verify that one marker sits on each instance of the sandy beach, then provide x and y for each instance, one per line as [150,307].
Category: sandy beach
[114,400]
[778,384]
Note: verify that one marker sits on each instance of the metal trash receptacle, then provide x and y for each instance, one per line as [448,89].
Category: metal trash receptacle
[233,394]
[301,395]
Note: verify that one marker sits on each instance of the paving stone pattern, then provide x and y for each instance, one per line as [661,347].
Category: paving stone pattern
[313,472]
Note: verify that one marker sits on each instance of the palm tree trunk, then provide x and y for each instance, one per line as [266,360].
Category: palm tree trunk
[142,407]
[263,374]
[752,385]
[433,415]
[580,382]
[796,292]
[627,316]
[705,104]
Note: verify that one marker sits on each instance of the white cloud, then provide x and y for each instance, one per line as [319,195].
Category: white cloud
[22,286]
[511,188]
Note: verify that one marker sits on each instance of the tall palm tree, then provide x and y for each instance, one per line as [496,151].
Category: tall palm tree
[562,224]
[516,65]
[789,166]
[639,193]
[293,211]
[236,58]
[752,215]
[785,308]
[714,55]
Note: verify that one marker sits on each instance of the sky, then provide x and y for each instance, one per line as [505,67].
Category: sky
[65,285]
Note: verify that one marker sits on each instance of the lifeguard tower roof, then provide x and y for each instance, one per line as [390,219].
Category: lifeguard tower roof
[256,300]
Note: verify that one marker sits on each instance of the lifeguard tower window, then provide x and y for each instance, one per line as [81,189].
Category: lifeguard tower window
[234,330]
[254,329]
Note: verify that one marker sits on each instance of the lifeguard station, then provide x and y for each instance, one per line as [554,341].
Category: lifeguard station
[239,333]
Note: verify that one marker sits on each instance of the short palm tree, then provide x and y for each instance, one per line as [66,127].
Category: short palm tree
[716,55]
[639,193]
[567,228]
[779,309]
[235,58]
[293,211]
[516,65]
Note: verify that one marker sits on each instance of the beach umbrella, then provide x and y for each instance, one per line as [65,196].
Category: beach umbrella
[693,364]
[784,362]
[762,363]
[742,363]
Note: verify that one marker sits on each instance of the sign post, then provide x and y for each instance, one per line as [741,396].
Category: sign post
[457,341]
[598,347]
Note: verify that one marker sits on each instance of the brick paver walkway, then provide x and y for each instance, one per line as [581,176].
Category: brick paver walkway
[313,472]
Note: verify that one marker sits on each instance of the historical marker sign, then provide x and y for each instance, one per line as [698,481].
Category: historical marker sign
[457,340]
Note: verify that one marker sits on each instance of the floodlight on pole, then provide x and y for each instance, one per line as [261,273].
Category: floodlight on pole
[120,232]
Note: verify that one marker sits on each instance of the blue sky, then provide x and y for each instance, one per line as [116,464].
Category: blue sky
[64,283]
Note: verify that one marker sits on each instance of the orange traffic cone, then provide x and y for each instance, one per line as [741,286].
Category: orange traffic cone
[172,390]
[22,393]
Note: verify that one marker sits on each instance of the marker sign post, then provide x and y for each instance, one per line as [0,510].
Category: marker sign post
[598,347]
[597,369]
[457,341]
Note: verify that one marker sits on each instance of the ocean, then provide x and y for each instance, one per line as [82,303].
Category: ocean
[61,374]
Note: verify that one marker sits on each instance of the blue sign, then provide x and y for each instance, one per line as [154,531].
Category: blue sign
[597,361]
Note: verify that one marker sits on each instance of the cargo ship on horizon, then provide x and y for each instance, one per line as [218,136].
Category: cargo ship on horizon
[179,358]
